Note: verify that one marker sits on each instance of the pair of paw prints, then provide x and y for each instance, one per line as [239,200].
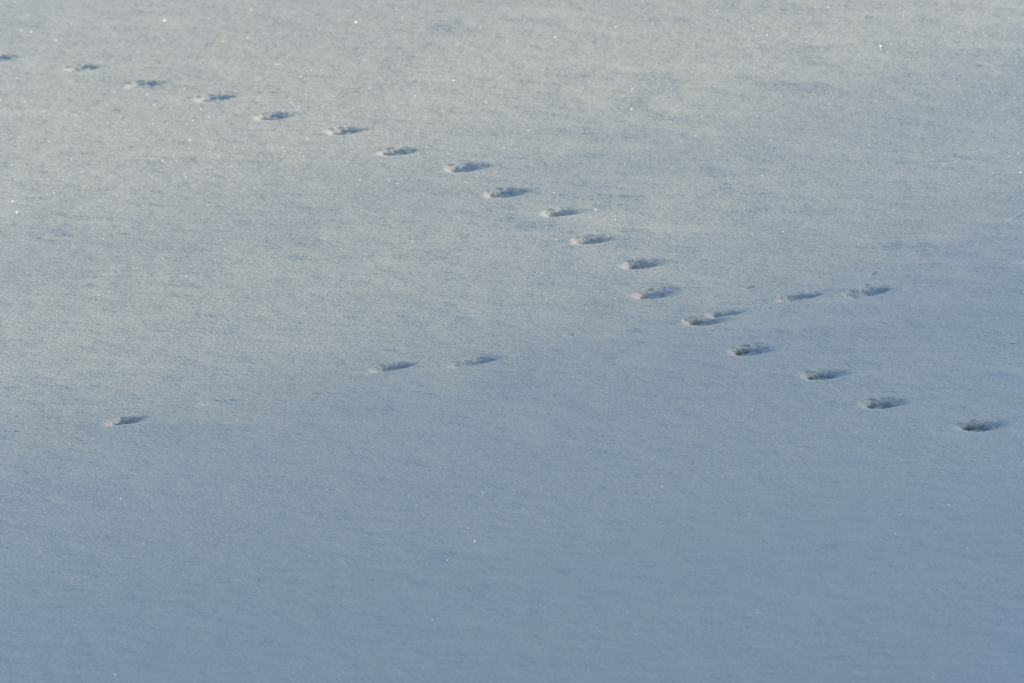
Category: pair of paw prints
[505,192]
[334,132]
[493,193]
[639,263]
[513,191]
[401,365]
[860,292]
[884,402]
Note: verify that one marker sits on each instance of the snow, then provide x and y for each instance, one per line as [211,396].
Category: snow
[545,341]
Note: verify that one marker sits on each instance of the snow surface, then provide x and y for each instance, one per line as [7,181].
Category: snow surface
[281,404]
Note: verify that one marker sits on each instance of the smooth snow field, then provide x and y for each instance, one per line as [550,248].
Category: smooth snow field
[530,341]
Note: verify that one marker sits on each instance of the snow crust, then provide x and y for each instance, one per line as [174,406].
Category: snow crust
[380,404]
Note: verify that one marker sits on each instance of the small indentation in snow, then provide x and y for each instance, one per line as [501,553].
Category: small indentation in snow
[141,84]
[343,131]
[749,349]
[710,318]
[882,402]
[395,151]
[556,213]
[654,293]
[783,298]
[213,98]
[639,263]
[466,167]
[978,425]
[127,420]
[866,291]
[503,192]
[589,239]
[388,367]
[822,374]
[479,360]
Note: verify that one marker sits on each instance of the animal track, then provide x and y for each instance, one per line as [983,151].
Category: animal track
[141,84]
[479,360]
[467,167]
[882,403]
[783,298]
[273,116]
[822,374]
[655,293]
[978,426]
[556,213]
[82,67]
[749,349]
[589,239]
[343,131]
[127,420]
[388,367]
[395,151]
[6,57]
[503,192]
[866,291]
[213,98]
[639,263]
[710,318]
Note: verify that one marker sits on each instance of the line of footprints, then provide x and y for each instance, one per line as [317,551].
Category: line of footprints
[752,349]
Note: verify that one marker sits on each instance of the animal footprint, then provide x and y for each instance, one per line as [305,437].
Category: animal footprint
[822,374]
[556,213]
[654,293]
[783,298]
[882,403]
[710,318]
[343,131]
[479,360]
[127,420]
[467,167]
[395,151]
[388,367]
[502,192]
[273,116]
[978,426]
[82,67]
[749,349]
[639,263]
[213,98]
[589,239]
[141,84]
[866,291]
[6,57]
